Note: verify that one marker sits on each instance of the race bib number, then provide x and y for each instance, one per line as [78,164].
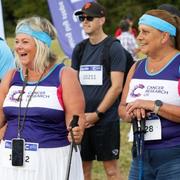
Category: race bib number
[91,74]
[30,155]
[153,129]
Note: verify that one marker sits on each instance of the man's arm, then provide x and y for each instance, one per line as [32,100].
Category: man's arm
[113,92]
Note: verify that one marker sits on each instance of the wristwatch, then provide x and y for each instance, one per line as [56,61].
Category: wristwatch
[157,105]
[99,114]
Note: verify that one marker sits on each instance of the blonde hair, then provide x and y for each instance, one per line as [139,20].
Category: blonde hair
[44,56]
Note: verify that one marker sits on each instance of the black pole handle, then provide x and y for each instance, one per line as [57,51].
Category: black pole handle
[143,125]
[135,125]
[74,121]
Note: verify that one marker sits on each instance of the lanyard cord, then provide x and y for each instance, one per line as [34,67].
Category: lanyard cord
[139,144]
[21,123]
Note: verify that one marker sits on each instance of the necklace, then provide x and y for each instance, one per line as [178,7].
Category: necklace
[152,70]
[21,122]
[155,66]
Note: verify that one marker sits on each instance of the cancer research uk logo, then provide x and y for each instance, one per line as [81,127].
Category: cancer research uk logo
[17,95]
[133,93]
[147,90]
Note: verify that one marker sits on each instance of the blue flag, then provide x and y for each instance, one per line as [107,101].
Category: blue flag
[67,24]
[1,22]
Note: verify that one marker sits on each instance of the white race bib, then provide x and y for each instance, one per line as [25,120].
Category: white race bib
[91,74]
[30,155]
[153,129]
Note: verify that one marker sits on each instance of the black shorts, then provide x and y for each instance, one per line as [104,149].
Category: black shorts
[101,142]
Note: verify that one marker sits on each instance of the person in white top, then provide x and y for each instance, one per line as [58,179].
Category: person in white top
[128,41]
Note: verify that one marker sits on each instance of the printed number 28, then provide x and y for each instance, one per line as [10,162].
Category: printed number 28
[149,128]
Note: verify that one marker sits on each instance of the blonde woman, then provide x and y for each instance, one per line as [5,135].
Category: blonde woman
[38,102]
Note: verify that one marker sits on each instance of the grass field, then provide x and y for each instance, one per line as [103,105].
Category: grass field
[125,157]
[125,153]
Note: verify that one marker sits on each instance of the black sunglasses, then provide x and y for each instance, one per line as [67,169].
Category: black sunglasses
[88,18]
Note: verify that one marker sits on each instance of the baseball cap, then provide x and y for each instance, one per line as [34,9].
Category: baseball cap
[92,9]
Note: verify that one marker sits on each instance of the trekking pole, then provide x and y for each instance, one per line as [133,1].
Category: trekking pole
[138,143]
[73,124]
[135,141]
[141,148]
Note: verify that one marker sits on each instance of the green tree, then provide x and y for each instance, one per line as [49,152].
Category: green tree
[18,9]
[117,9]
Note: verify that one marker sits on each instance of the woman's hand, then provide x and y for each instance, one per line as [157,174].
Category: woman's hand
[138,107]
[77,134]
[138,113]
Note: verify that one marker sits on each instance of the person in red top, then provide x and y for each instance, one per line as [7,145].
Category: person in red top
[132,29]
